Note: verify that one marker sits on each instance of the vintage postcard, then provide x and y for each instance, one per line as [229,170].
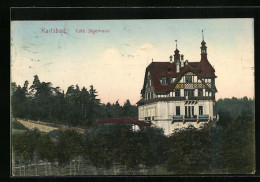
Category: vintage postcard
[132,97]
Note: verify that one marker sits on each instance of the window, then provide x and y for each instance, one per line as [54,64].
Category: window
[188,92]
[189,111]
[188,79]
[213,81]
[177,110]
[164,81]
[149,83]
[200,92]
[177,93]
[200,110]
[192,93]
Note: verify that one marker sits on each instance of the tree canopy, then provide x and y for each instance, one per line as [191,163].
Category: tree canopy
[77,106]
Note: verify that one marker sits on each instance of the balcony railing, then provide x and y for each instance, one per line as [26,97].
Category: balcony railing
[193,118]
[178,117]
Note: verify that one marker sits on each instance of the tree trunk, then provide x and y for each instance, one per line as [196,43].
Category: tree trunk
[115,173]
[24,170]
[105,171]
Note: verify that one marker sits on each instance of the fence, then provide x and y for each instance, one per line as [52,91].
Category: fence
[82,167]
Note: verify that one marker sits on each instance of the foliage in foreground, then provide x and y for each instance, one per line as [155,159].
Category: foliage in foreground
[217,149]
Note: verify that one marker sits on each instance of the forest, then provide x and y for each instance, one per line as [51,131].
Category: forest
[227,147]
[77,107]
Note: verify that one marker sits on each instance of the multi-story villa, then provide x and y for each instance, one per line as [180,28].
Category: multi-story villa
[178,93]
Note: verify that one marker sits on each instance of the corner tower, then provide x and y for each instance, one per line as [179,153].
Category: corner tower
[203,48]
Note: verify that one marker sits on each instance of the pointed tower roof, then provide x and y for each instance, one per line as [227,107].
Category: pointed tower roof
[176,50]
[204,67]
[203,43]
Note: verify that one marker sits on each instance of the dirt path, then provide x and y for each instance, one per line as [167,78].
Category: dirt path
[45,127]
[40,127]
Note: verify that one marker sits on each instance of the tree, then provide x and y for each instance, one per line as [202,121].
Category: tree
[84,103]
[129,148]
[118,112]
[235,106]
[188,150]
[94,104]
[19,100]
[26,146]
[129,110]
[216,140]
[68,146]
[42,97]
[153,141]
[46,149]
[224,118]
[238,148]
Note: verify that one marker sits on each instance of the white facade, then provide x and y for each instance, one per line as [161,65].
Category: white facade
[161,114]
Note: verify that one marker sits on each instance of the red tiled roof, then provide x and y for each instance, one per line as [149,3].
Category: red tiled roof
[122,120]
[160,69]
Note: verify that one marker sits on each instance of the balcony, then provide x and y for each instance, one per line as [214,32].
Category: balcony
[194,118]
[178,117]
[204,117]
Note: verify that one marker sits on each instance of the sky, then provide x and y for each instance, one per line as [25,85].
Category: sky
[114,61]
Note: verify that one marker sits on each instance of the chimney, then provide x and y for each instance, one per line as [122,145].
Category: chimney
[182,61]
[170,58]
[177,66]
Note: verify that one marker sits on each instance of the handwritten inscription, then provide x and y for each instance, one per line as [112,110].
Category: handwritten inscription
[78,30]
[91,31]
[53,30]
